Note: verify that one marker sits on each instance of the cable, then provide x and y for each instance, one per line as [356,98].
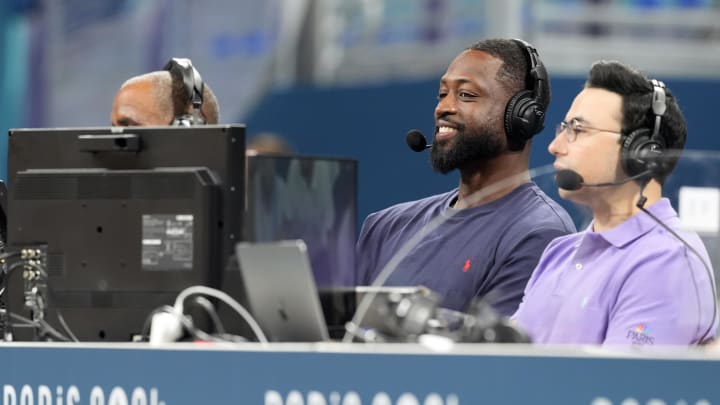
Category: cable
[195,332]
[7,270]
[61,319]
[640,205]
[400,255]
[184,294]
[44,326]
[185,322]
[26,322]
[58,313]
[52,296]
[210,309]
[40,324]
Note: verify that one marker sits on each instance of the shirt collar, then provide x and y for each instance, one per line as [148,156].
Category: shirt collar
[637,225]
[485,207]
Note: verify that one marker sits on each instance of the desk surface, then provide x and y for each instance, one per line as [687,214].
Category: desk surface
[333,373]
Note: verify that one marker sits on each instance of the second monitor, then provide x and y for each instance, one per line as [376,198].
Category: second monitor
[310,198]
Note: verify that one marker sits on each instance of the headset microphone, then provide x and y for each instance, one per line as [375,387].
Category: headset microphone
[568,180]
[416,140]
[572,180]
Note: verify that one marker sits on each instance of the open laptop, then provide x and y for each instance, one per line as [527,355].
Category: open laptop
[280,290]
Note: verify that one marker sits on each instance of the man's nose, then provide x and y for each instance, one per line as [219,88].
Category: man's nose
[446,105]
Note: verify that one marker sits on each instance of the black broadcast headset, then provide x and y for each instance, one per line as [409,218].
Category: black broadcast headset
[642,150]
[525,112]
[194,86]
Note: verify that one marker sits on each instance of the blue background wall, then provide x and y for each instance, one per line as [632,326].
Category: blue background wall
[369,124]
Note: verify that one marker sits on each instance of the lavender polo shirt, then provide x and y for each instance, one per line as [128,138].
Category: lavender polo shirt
[635,284]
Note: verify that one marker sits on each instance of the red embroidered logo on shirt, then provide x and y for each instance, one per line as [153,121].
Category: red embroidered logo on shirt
[466,267]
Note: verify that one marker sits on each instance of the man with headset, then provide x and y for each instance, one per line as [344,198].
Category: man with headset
[495,225]
[632,277]
[176,95]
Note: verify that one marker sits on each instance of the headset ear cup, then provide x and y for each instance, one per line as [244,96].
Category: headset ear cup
[630,151]
[183,70]
[643,150]
[509,109]
[524,118]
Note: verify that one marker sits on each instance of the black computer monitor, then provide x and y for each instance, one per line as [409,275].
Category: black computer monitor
[313,198]
[130,216]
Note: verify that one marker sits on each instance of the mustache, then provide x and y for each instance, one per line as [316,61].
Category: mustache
[459,127]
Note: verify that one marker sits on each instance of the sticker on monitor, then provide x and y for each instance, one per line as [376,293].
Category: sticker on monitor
[167,242]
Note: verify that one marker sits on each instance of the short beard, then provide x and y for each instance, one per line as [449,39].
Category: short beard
[468,150]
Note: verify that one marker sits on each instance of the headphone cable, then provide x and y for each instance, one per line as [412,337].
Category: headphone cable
[641,204]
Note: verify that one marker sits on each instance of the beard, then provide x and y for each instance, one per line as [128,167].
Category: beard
[466,149]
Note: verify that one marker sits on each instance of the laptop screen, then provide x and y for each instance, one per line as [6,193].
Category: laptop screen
[280,290]
[308,198]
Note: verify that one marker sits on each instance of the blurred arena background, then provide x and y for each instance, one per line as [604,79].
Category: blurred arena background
[343,77]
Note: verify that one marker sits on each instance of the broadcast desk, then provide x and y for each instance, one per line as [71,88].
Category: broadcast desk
[333,373]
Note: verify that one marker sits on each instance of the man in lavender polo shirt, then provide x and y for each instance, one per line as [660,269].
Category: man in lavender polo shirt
[627,279]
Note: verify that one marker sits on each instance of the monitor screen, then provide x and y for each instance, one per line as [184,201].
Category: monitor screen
[308,198]
[131,216]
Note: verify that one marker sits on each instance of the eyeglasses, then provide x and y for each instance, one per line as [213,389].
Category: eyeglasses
[576,127]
